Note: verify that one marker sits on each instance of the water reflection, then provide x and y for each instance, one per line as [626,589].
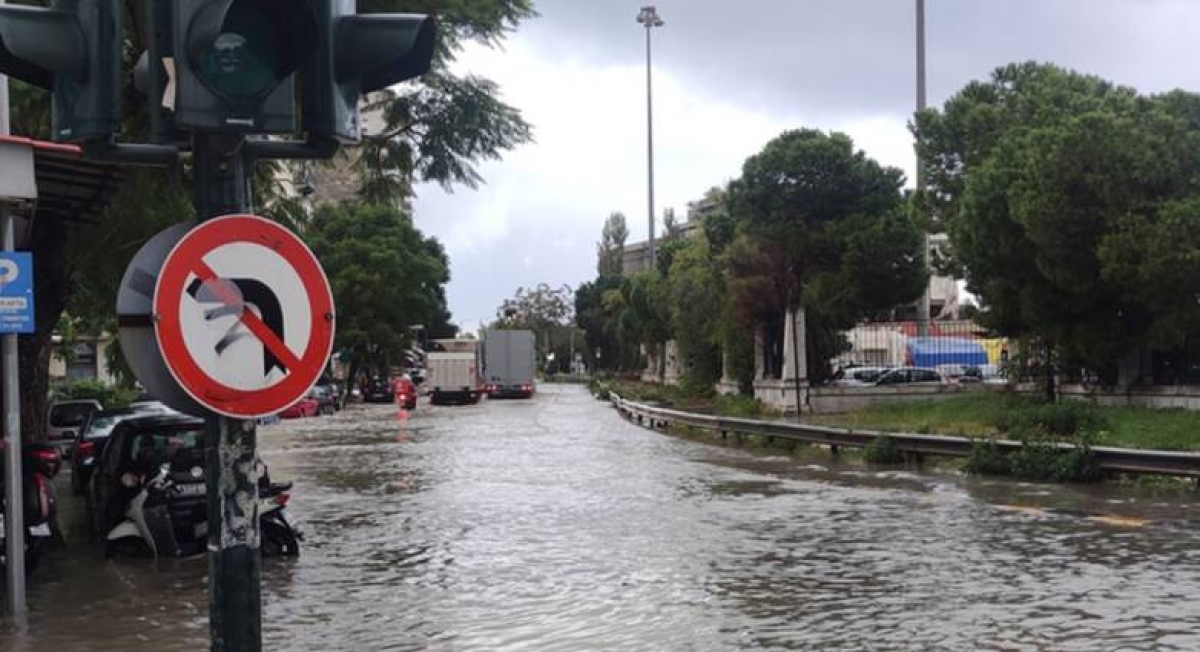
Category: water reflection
[553,525]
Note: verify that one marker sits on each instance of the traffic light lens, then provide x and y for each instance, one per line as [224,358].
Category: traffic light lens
[242,59]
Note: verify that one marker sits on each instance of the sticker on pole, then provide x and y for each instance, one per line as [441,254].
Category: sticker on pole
[244,316]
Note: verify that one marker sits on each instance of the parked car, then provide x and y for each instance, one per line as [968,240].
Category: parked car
[960,373]
[151,405]
[378,390]
[858,376]
[66,419]
[136,449]
[304,408]
[326,400]
[993,374]
[89,442]
[911,375]
[334,389]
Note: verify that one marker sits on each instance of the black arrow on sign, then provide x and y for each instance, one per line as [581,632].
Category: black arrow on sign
[254,293]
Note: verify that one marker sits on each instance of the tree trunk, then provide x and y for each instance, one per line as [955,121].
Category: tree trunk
[1051,390]
[355,366]
[52,287]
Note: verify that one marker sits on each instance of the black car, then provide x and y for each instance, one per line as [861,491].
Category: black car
[89,442]
[333,388]
[379,390]
[327,402]
[137,447]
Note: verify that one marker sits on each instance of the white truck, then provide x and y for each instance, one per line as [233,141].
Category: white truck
[509,363]
[453,377]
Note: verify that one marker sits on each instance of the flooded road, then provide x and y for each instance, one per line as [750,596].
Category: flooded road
[555,525]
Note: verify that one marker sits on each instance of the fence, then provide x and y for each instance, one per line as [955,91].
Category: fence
[1113,460]
[955,348]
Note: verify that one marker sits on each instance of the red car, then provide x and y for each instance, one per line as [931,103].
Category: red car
[305,407]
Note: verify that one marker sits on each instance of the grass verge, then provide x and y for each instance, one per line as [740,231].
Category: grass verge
[995,415]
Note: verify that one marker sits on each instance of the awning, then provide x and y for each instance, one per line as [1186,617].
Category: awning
[69,187]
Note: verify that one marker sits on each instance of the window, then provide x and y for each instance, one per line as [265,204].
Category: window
[68,415]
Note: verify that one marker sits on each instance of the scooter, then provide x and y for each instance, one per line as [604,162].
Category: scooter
[39,463]
[168,519]
[277,537]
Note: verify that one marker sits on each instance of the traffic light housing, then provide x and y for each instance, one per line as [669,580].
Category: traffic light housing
[355,55]
[234,62]
[72,49]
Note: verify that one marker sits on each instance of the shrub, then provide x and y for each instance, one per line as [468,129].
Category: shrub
[738,405]
[110,397]
[883,450]
[1040,459]
[1066,419]
[986,458]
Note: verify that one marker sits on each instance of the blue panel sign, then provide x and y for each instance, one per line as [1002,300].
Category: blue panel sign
[16,292]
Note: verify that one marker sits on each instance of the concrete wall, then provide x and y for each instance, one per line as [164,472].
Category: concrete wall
[1186,397]
[835,400]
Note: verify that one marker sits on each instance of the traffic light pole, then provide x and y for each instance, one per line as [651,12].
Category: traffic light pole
[234,562]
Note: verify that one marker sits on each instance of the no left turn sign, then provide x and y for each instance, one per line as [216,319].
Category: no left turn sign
[244,316]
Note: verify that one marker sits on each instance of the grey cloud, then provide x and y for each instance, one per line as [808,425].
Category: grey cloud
[830,58]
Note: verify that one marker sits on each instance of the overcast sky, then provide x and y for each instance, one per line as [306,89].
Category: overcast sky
[728,76]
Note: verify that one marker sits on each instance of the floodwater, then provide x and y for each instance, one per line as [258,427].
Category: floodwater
[553,525]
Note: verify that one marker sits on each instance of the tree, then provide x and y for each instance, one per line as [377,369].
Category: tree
[593,317]
[1070,204]
[610,251]
[645,318]
[670,224]
[822,227]
[437,129]
[386,276]
[543,309]
[696,294]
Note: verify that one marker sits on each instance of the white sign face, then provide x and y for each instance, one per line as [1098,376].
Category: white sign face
[9,271]
[218,339]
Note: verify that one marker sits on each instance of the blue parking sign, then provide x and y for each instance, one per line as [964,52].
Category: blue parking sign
[16,292]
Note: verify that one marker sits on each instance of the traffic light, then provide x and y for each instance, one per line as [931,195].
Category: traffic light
[233,63]
[355,55]
[72,49]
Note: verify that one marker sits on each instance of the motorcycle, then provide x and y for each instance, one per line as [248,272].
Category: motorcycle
[39,464]
[168,518]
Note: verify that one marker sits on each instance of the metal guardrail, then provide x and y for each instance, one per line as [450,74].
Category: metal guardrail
[1116,460]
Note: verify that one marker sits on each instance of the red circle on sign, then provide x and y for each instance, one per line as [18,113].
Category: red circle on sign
[186,261]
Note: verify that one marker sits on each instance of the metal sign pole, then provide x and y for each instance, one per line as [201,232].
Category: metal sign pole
[14,519]
[234,562]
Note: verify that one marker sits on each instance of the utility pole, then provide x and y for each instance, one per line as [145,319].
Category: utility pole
[923,307]
[649,18]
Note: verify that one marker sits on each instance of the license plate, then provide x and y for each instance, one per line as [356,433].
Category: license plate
[190,489]
[42,530]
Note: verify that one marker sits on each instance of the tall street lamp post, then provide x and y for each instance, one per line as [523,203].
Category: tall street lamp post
[649,18]
[923,309]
